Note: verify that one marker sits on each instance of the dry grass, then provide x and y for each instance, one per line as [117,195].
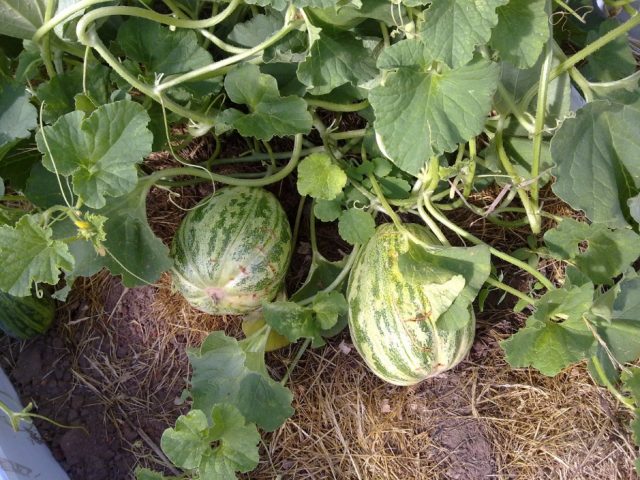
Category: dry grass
[482,420]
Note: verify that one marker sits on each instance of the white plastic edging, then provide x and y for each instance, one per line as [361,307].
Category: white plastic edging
[23,454]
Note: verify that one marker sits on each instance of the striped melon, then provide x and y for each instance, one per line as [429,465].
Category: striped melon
[25,317]
[389,316]
[231,252]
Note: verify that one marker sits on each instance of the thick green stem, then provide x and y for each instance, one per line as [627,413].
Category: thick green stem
[475,240]
[348,135]
[337,107]
[515,109]
[576,58]
[91,17]
[534,220]
[258,182]
[46,43]
[258,157]
[339,279]
[516,293]
[602,376]
[383,201]
[303,348]
[91,39]
[214,67]
[541,110]
[62,16]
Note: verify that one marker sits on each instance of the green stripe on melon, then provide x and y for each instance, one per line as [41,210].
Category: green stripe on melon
[25,317]
[389,317]
[231,252]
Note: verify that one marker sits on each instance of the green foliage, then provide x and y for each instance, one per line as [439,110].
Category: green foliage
[320,178]
[383,110]
[600,173]
[100,151]
[17,116]
[356,226]
[437,110]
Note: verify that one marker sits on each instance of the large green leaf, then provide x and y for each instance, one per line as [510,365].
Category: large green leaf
[622,332]
[613,61]
[453,28]
[217,451]
[17,116]
[221,374]
[441,269]
[100,151]
[59,93]
[522,31]
[334,59]
[30,254]
[421,112]
[160,49]
[596,154]
[270,114]
[556,335]
[21,18]
[608,252]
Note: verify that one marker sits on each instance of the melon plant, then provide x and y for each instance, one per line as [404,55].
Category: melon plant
[231,252]
[391,317]
[25,317]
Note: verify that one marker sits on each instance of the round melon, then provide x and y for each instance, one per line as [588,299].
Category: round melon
[25,317]
[389,316]
[232,251]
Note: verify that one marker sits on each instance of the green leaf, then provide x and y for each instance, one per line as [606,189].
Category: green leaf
[320,178]
[614,60]
[323,273]
[161,49]
[631,382]
[336,58]
[608,252]
[328,210]
[100,151]
[522,31]
[229,445]
[187,442]
[556,335]
[140,256]
[596,156]
[621,332]
[453,28]
[293,321]
[328,306]
[518,82]
[634,207]
[255,30]
[635,431]
[238,450]
[263,401]
[444,270]
[30,254]
[59,93]
[20,18]
[146,474]
[17,116]
[421,113]
[271,115]
[356,226]
[221,375]
[132,249]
